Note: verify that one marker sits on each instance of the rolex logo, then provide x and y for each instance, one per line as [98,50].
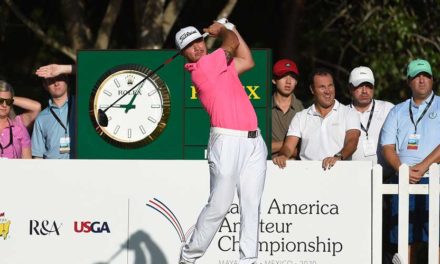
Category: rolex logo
[130,80]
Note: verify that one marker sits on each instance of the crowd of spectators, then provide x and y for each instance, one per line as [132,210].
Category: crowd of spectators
[367,130]
[35,133]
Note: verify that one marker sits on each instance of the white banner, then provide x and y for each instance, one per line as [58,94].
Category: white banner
[136,212]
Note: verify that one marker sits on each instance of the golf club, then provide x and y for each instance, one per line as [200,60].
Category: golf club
[112,257]
[102,116]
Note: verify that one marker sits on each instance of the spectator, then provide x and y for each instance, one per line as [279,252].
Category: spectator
[372,113]
[329,131]
[14,137]
[284,103]
[409,135]
[53,129]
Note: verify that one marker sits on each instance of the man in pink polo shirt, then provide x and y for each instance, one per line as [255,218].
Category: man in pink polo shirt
[236,151]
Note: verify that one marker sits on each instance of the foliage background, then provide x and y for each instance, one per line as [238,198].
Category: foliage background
[384,35]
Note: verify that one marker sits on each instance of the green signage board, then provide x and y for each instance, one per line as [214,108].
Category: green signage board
[185,132]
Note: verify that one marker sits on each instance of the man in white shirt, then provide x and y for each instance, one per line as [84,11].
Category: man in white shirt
[329,130]
[372,114]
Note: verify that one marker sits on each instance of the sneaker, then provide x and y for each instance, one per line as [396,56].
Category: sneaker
[397,259]
[181,259]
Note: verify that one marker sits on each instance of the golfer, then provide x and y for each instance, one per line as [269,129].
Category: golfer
[236,151]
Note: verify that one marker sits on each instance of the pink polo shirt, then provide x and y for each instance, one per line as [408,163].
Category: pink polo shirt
[20,136]
[221,92]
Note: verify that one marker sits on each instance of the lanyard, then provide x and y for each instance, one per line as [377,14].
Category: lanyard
[369,120]
[59,120]
[421,116]
[11,139]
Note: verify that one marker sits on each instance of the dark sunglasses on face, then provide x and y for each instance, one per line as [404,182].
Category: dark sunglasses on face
[9,101]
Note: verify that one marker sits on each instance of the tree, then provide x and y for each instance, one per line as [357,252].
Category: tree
[153,19]
[384,35]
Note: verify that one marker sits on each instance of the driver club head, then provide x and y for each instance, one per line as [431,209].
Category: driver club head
[102,118]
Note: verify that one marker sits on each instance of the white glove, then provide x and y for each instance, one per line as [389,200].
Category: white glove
[228,25]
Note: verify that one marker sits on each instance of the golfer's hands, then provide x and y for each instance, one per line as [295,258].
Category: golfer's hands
[280,161]
[329,162]
[53,70]
[214,29]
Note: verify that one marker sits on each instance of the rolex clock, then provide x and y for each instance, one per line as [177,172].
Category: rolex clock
[134,104]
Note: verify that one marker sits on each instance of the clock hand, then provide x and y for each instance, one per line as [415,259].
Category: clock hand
[128,107]
[102,117]
[130,104]
[116,106]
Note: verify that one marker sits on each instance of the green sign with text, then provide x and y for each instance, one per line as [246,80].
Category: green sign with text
[121,117]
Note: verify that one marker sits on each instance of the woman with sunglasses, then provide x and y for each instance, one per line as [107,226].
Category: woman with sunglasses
[14,136]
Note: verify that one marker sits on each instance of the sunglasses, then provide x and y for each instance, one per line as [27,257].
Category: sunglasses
[8,101]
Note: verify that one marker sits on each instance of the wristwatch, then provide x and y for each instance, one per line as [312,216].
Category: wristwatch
[339,155]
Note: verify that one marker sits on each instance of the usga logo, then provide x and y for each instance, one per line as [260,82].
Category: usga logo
[88,226]
[4,226]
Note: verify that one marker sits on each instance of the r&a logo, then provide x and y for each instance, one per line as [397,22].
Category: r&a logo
[44,228]
[88,226]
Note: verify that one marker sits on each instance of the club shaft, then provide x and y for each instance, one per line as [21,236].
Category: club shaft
[148,76]
[143,80]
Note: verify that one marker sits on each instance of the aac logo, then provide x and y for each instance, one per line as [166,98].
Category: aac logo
[44,228]
[164,210]
[4,226]
[88,226]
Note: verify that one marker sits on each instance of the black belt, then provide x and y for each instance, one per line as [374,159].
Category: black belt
[252,134]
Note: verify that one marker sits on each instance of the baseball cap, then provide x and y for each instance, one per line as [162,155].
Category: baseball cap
[360,75]
[417,66]
[186,35]
[284,66]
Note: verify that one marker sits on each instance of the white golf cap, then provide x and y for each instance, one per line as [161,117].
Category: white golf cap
[360,75]
[185,36]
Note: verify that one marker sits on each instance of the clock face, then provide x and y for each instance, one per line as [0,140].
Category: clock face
[137,108]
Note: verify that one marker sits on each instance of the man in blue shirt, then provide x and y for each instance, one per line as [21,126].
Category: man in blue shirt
[410,136]
[53,128]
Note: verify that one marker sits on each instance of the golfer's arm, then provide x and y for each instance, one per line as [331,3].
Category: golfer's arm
[243,56]
[230,41]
